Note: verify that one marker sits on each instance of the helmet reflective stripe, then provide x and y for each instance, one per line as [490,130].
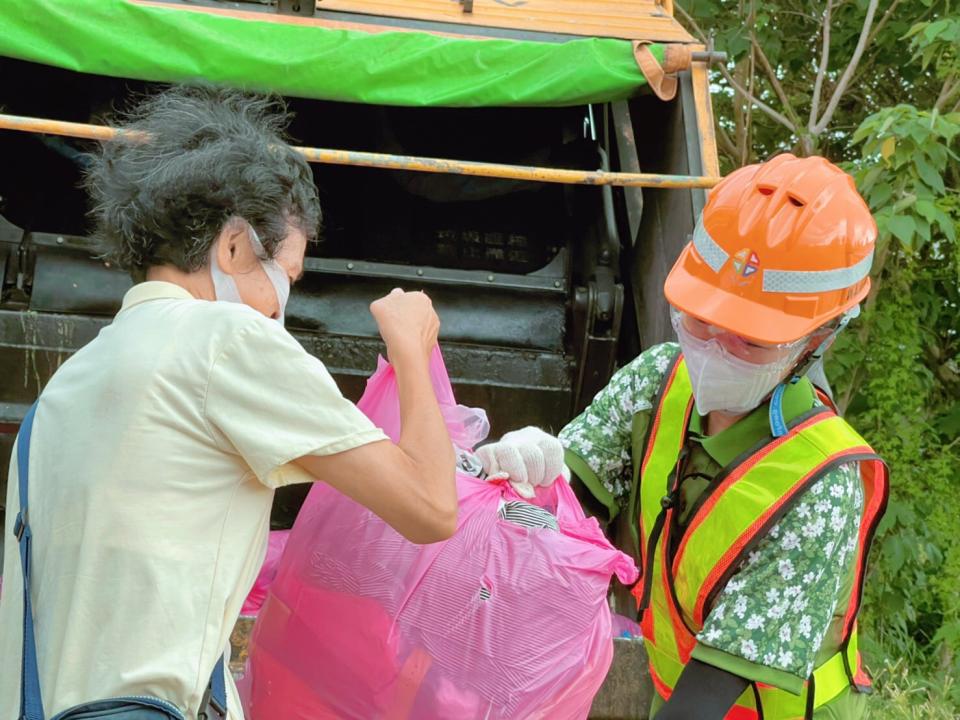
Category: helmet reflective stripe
[816,281]
[784,281]
[712,254]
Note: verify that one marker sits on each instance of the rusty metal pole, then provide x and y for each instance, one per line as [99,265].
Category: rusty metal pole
[396,162]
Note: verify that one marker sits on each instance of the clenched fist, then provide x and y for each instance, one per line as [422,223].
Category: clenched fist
[407,324]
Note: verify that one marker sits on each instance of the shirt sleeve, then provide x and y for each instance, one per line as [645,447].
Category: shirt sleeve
[770,620]
[598,441]
[270,402]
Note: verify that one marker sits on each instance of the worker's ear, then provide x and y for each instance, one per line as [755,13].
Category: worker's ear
[233,249]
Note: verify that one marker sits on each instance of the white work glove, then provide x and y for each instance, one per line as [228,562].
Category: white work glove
[527,458]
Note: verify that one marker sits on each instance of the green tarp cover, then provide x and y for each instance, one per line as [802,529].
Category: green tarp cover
[172,44]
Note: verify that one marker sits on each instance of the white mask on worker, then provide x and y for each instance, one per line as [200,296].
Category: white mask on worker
[225,287]
[722,381]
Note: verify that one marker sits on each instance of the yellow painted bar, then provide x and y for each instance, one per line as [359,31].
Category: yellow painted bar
[398,162]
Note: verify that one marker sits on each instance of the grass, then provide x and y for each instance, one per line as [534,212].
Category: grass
[904,694]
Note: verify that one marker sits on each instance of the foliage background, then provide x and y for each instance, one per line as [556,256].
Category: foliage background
[877,88]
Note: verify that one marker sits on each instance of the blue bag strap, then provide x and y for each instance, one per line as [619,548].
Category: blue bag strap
[218,688]
[31,704]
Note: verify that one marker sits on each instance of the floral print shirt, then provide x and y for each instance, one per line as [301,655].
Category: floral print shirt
[789,595]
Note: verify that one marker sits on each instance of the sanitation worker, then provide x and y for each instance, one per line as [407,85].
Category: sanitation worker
[156,449]
[751,503]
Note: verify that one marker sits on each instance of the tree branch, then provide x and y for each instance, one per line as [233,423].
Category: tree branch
[774,80]
[748,135]
[822,69]
[698,31]
[863,69]
[848,73]
[726,142]
[883,21]
[741,110]
[950,87]
[756,101]
[751,84]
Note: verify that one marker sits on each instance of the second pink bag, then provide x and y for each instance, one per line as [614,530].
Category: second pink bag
[500,622]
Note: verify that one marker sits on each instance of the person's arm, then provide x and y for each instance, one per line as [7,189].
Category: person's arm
[409,485]
[599,440]
[703,692]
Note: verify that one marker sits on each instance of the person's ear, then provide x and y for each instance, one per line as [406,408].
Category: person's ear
[233,249]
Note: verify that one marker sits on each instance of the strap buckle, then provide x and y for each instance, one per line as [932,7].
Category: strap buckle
[20,525]
[210,708]
[670,500]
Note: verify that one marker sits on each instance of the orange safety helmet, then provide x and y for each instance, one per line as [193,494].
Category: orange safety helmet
[781,248]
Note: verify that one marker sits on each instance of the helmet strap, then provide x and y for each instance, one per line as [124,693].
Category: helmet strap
[778,425]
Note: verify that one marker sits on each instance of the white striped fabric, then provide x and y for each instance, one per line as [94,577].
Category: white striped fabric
[527,515]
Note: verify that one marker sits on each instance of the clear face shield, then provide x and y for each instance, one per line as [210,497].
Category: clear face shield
[730,373]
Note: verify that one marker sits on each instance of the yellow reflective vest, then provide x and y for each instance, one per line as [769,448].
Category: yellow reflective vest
[685,569]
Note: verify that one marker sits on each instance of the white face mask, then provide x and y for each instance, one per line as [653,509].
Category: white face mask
[225,287]
[722,381]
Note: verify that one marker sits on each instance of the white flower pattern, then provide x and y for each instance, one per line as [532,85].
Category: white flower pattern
[778,606]
[815,558]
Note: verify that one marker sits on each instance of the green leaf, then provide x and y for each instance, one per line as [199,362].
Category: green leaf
[894,553]
[948,226]
[933,29]
[907,200]
[914,30]
[880,194]
[949,424]
[923,231]
[888,147]
[919,133]
[869,178]
[865,129]
[892,603]
[927,209]
[928,173]
[887,123]
[902,227]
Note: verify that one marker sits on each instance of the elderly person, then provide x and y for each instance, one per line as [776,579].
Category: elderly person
[156,449]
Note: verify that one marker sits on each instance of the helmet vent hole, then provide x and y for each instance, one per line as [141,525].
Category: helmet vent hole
[765,190]
[796,202]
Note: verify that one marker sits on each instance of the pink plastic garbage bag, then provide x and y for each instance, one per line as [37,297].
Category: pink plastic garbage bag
[276,542]
[501,622]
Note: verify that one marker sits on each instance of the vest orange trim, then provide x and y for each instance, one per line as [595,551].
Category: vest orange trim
[874,507]
[731,559]
[739,471]
[648,447]
[661,603]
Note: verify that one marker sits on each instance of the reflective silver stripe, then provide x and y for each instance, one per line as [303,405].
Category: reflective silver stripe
[816,281]
[712,254]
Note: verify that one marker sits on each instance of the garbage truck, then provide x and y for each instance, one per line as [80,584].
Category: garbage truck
[534,165]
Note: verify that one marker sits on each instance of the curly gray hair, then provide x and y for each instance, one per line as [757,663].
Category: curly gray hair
[209,155]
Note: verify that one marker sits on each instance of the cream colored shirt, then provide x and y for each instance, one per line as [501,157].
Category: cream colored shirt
[155,454]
